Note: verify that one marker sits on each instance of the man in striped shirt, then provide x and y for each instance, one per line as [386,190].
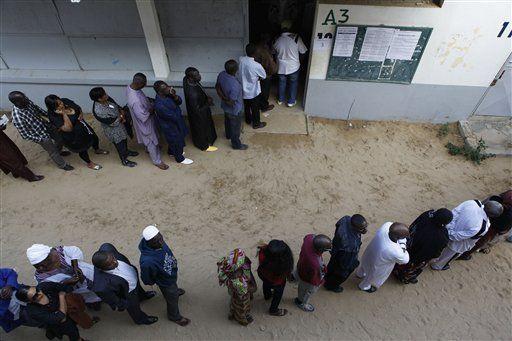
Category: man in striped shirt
[28,119]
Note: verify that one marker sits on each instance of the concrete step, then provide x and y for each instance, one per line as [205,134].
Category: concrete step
[496,131]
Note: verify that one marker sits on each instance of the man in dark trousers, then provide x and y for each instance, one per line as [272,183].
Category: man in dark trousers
[198,103]
[229,90]
[345,249]
[158,266]
[116,282]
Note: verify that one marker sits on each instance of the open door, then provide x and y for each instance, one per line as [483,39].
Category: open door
[497,100]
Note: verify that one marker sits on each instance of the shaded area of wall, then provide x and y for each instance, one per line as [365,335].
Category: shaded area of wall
[384,101]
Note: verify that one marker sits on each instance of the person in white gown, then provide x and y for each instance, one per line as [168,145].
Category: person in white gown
[470,222]
[386,249]
[64,264]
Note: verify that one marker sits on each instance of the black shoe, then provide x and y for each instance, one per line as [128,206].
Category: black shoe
[242,147]
[151,320]
[337,289]
[50,335]
[68,168]
[133,153]
[413,281]
[65,153]
[129,163]
[268,108]
[181,292]
[258,126]
[37,178]
[149,294]
[465,257]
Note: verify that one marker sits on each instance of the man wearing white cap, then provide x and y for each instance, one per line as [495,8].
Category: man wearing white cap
[158,266]
[64,264]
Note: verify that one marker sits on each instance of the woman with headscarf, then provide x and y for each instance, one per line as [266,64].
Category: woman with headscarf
[76,134]
[234,271]
[428,238]
[275,266]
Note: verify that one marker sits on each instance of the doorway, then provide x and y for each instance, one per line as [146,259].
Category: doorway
[497,99]
[265,18]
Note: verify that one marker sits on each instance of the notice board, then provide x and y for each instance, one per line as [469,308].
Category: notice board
[377,53]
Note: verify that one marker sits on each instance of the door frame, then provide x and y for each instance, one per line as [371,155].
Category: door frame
[496,78]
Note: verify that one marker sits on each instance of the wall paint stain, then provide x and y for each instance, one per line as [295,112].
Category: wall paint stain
[453,51]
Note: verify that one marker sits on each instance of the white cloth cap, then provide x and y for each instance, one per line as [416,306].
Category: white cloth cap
[150,232]
[38,253]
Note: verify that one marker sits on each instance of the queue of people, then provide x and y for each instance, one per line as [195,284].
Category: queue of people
[243,86]
[68,286]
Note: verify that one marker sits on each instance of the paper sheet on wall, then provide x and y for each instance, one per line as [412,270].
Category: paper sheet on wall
[345,40]
[322,44]
[403,45]
[376,44]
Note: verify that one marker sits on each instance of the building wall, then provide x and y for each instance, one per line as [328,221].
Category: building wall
[461,58]
[67,48]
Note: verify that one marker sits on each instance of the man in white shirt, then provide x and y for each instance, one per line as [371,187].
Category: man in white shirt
[386,249]
[470,222]
[289,46]
[116,281]
[250,73]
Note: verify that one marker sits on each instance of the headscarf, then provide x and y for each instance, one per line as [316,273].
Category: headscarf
[428,237]
[234,271]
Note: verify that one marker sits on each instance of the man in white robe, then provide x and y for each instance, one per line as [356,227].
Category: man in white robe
[387,248]
[64,264]
[470,222]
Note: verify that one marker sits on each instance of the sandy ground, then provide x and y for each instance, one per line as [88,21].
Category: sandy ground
[284,186]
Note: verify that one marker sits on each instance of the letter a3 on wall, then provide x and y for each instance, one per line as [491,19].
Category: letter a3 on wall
[330,19]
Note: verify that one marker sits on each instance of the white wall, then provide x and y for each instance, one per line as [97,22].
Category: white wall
[463,48]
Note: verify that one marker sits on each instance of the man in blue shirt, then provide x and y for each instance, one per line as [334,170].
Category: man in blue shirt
[159,266]
[9,311]
[229,90]
[171,122]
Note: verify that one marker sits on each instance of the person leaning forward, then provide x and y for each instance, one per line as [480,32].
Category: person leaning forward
[32,123]
[116,281]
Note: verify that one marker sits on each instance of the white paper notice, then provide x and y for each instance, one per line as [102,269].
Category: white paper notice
[376,44]
[322,44]
[403,45]
[345,40]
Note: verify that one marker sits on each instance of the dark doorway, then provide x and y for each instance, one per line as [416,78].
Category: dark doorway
[266,16]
